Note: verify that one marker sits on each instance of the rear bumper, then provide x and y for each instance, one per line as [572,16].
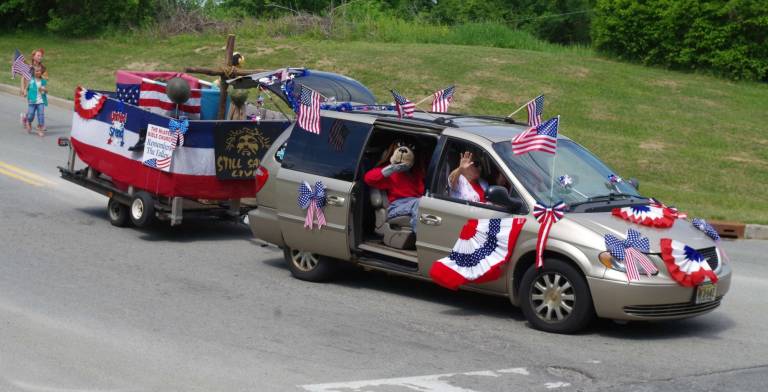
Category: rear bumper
[264,225]
[652,300]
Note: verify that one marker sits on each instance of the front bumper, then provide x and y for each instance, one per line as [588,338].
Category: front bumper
[657,298]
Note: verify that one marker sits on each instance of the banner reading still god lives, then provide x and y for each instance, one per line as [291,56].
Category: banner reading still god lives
[239,147]
[158,147]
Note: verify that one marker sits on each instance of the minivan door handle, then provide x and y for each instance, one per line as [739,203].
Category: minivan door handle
[334,200]
[431,220]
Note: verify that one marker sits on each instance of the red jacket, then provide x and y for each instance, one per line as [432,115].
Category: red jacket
[398,185]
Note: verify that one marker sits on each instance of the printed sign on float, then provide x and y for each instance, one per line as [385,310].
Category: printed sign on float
[239,147]
[158,147]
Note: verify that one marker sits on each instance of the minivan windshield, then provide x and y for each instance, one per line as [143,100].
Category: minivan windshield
[579,176]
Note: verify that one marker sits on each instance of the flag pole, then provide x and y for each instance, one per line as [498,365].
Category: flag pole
[520,108]
[552,171]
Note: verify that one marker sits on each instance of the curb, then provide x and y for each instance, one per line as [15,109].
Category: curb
[756,232]
[53,101]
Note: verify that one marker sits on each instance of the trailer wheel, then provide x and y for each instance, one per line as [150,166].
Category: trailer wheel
[142,212]
[117,212]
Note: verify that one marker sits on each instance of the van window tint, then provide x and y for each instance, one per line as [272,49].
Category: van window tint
[333,153]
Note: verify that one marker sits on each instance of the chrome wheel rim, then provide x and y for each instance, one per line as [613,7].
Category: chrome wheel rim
[552,297]
[137,209]
[305,261]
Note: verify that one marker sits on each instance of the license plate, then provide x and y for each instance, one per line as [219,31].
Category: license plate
[706,293]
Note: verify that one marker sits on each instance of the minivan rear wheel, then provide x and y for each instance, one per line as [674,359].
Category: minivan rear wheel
[309,266]
[556,298]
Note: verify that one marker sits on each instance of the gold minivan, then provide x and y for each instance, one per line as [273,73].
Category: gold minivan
[571,288]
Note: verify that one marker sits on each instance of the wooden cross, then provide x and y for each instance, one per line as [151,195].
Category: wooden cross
[226,72]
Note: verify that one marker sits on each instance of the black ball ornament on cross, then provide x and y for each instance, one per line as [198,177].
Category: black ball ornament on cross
[178,90]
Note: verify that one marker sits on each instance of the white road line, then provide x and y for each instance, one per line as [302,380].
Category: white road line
[559,384]
[429,383]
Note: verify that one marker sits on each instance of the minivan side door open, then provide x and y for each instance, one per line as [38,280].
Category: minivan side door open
[329,158]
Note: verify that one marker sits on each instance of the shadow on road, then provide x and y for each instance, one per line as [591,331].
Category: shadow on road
[708,326]
[192,229]
[464,303]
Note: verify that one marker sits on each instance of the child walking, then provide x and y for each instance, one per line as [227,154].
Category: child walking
[37,98]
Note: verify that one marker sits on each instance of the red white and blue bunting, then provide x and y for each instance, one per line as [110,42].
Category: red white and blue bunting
[632,252]
[88,103]
[646,215]
[546,216]
[484,245]
[685,265]
[312,200]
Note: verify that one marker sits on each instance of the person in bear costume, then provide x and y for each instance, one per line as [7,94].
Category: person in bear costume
[399,174]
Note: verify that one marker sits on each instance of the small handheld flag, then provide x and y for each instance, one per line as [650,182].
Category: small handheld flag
[442,99]
[403,105]
[535,108]
[542,137]
[309,110]
[19,67]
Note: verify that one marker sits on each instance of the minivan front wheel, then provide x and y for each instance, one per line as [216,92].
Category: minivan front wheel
[556,298]
[308,266]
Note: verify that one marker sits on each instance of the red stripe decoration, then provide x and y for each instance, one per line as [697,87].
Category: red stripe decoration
[685,265]
[483,247]
[546,216]
[126,171]
[88,103]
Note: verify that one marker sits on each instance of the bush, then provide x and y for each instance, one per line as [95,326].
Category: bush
[727,37]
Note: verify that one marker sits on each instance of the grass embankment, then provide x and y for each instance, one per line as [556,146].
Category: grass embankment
[694,141]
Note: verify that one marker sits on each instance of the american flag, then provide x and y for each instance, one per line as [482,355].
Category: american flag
[128,93]
[20,67]
[309,110]
[338,135]
[404,107]
[152,96]
[442,98]
[535,107]
[158,163]
[539,138]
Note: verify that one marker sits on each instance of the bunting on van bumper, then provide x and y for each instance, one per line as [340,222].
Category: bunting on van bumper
[484,245]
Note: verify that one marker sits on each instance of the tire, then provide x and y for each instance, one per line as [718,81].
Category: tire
[556,297]
[117,213]
[309,266]
[142,209]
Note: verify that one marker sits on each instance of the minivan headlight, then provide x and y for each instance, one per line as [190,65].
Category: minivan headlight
[611,262]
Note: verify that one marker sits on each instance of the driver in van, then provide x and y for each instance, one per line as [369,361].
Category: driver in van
[465,181]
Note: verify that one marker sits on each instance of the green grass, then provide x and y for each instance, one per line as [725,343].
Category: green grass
[694,141]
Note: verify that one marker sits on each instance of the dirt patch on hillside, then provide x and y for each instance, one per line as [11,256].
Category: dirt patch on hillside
[141,66]
[653,145]
[665,83]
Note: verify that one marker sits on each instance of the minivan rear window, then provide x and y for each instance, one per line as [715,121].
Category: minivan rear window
[333,153]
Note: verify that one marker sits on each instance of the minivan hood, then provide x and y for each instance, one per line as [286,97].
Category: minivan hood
[604,223]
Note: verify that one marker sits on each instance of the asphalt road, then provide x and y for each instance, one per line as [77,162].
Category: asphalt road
[85,306]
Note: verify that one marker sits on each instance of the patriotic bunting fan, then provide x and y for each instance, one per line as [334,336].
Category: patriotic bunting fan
[88,103]
[484,245]
[686,266]
[546,216]
[632,252]
[646,215]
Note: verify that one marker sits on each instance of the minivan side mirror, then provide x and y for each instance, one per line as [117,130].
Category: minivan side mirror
[634,182]
[499,195]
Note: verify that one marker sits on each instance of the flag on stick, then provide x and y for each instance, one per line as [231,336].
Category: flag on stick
[309,110]
[20,67]
[539,138]
[535,107]
[404,107]
[442,99]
